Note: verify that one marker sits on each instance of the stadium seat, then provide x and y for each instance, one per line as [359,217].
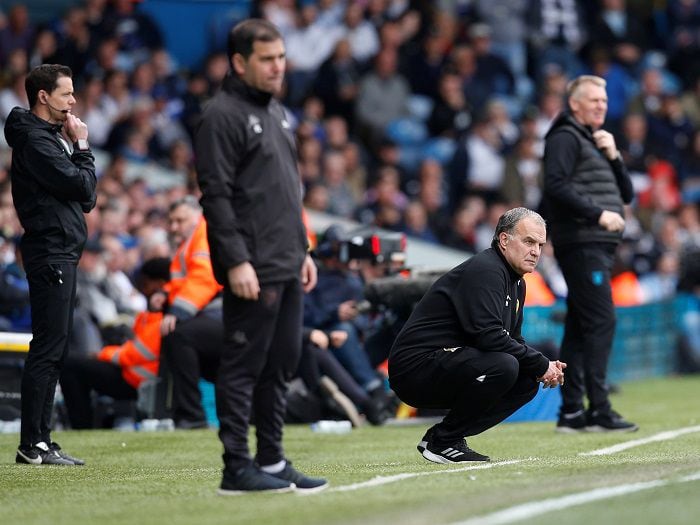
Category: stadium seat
[407,131]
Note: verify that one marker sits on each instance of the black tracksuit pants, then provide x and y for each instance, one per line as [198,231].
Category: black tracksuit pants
[262,345]
[52,300]
[590,324]
[83,375]
[480,389]
[192,351]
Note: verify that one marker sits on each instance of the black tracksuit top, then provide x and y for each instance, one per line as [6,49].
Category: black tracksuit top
[51,189]
[251,191]
[478,304]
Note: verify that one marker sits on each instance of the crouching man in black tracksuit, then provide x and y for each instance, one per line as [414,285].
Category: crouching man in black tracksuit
[53,184]
[461,348]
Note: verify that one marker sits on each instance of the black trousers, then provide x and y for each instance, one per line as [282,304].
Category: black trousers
[480,389]
[590,324]
[83,375]
[192,351]
[262,345]
[52,299]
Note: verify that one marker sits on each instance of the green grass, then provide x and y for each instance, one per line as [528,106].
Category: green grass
[171,478]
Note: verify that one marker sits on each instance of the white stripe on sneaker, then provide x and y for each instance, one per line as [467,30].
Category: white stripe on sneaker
[31,461]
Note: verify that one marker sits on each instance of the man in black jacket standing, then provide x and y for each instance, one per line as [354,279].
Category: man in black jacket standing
[53,184]
[251,196]
[586,185]
[462,349]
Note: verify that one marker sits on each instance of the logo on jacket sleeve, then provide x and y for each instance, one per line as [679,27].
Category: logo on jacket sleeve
[254,124]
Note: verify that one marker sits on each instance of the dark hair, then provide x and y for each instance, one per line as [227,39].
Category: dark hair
[156,268]
[44,77]
[510,219]
[244,34]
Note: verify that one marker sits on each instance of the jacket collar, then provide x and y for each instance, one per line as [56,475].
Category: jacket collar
[513,274]
[233,83]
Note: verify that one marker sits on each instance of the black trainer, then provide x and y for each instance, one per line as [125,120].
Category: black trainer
[57,448]
[609,421]
[458,452]
[251,479]
[40,454]
[572,422]
[298,480]
[424,442]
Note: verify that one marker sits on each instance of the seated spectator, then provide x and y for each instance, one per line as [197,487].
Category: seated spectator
[117,370]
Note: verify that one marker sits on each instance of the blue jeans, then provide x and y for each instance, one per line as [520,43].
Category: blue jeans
[354,359]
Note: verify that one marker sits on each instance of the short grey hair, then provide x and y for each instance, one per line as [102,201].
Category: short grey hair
[188,200]
[573,89]
[510,219]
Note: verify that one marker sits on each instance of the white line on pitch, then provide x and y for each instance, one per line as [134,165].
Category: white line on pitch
[661,436]
[536,508]
[383,480]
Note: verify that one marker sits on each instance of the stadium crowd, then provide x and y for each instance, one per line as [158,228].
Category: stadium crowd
[422,117]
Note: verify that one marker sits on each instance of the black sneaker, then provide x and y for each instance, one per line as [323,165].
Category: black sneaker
[251,479]
[609,421]
[572,422]
[40,454]
[458,452]
[55,447]
[298,480]
[424,442]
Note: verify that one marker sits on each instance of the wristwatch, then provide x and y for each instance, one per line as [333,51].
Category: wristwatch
[81,145]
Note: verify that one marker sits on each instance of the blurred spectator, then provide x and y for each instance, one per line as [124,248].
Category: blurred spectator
[383,96]
[13,95]
[308,46]
[17,34]
[424,65]
[136,32]
[451,114]
[507,20]
[522,181]
[45,50]
[337,82]
[557,31]
[619,29]
[415,223]
[340,198]
[360,33]
[684,41]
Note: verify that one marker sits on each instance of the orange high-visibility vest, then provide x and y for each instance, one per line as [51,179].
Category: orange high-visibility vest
[192,284]
[138,357]
[626,290]
[310,233]
[538,293]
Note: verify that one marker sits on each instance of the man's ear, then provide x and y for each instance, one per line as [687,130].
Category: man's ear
[238,62]
[503,239]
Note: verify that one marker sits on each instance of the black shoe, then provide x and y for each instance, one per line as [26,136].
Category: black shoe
[609,421]
[251,479]
[54,447]
[458,452]
[424,442]
[186,424]
[572,422]
[40,454]
[298,480]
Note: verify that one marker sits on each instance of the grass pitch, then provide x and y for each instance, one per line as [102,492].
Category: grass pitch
[171,478]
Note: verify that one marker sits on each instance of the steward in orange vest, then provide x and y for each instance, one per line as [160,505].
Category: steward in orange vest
[192,325]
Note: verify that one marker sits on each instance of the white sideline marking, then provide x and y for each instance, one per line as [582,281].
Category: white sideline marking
[537,508]
[661,436]
[383,480]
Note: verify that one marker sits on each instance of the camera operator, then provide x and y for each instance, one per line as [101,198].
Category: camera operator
[332,305]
